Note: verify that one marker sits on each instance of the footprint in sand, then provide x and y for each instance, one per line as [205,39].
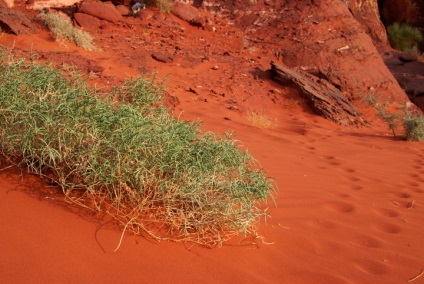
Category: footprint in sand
[402,195]
[339,206]
[403,198]
[418,190]
[387,228]
[417,177]
[418,166]
[342,195]
[332,161]
[414,184]
[357,187]
[349,170]
[387,212]
[354,179]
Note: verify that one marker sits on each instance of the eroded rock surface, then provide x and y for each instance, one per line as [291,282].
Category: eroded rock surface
[13,21]
[101,10]
[323,98]
[188,13]
[367,13]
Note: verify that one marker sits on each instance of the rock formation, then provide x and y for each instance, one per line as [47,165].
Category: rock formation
[367,13]
[323,98]
[13,21]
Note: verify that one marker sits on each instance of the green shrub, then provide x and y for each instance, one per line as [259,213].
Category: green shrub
[414,126]
[391,119]
[62,28]
[404,37]
[126,155]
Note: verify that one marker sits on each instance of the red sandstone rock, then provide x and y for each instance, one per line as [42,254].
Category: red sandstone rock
[189,14]
[366,12]
[123,10]
[101,10]
[145,15]
[13,21]
[85,20]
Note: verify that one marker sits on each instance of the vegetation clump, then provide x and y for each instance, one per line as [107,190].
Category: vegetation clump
[404,37]
[414,126]
[62,28]
[260,120]
[123,153]
[165,6]
[413,123]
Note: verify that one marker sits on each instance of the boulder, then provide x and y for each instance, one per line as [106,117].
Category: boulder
[189,14]
[323,98]
[87,21]
[123,10]
[145,15]
[105,11]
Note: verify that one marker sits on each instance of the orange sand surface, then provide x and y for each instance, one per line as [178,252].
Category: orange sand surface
[349,206]
[349,210]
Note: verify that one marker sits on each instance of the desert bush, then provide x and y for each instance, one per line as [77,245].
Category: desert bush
[62,28]
[413,123]
[392,119]
[126,155]
[414,126]
[404,37]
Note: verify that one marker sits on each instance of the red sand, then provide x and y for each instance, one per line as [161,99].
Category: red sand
[350,204]
[349,210]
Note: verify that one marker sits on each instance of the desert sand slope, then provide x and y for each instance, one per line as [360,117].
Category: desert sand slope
[349,206]
[349,210]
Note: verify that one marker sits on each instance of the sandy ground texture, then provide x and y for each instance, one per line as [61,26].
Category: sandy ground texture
[350,203]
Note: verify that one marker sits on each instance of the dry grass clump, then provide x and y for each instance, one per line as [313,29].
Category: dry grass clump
[158,176]
[260,120]
[62,28]
[165,6]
